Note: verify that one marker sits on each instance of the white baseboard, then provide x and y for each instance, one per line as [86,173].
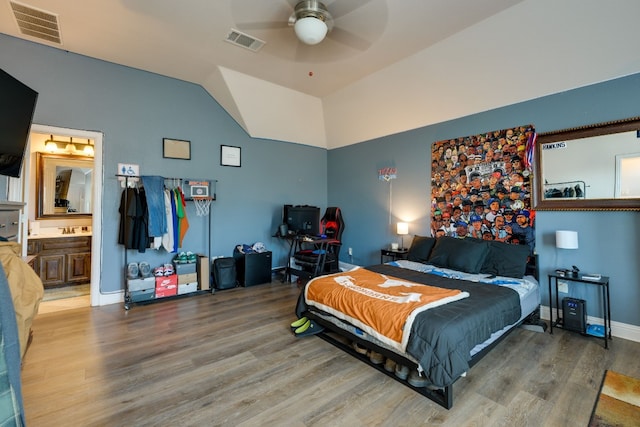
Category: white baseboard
[619,330]
[111,298]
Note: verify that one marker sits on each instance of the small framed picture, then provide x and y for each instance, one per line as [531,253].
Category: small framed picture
[176,149]
[230,156]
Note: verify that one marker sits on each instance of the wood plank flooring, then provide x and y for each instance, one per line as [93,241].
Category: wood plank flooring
[229,359]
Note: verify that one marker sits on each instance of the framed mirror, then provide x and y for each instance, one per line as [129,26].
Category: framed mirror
[63,185]
[595,167]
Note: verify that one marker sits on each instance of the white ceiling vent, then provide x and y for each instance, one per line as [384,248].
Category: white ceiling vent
[244,40]
[36,22]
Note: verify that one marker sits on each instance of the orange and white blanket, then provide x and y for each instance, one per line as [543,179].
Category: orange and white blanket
[382,306]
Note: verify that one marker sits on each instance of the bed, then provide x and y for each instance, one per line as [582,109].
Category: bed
[474,292]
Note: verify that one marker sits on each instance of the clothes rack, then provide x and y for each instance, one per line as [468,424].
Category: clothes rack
[131,181]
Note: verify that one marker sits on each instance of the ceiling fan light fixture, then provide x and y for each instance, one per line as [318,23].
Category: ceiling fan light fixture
[310,30]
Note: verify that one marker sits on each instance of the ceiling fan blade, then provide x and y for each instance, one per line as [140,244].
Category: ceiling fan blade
[341,8]
[347,38]
[262,25]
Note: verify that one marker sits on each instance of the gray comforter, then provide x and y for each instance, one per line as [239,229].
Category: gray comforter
[442,337]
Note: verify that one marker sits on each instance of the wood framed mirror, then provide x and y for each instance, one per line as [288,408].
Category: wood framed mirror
[595,167]
[63,185]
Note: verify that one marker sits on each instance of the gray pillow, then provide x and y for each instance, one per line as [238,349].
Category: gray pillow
[420,249]
[466,255]
[506,259]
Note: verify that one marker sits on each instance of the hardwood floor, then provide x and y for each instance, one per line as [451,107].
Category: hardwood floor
[230,359]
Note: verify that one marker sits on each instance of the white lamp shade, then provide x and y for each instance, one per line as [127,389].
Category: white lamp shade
[566,239]
[403,228]
[310,30]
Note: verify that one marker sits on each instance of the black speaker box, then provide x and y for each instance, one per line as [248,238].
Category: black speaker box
[253,268]
[574,314]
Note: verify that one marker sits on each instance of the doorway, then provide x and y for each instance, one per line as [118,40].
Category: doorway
[29,192]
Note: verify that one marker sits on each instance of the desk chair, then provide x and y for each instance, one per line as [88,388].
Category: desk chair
[321,255]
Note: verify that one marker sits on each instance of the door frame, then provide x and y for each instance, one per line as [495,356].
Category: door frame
[97,298]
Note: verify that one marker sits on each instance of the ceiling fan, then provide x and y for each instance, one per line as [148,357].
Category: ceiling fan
[311,21]
[315,23]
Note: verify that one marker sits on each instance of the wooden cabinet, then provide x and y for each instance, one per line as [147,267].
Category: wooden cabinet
[62,260]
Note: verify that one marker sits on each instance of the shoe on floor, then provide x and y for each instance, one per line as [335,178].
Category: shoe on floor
[376,358]
[309,328]
[359,349]
[390,365]
[301,321]
[417,380]
[401,372]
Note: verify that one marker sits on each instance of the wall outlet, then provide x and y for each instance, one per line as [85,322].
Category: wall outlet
[563,287]
[350,251]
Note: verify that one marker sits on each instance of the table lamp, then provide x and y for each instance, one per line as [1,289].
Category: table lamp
[566,239]
[402,230]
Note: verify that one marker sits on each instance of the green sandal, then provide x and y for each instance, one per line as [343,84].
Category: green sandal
[301,321]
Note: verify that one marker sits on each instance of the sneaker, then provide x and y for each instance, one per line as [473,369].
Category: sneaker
[191,257]
[145,269]
[401,372]
[376,358]
[181,258]
[132,271]
[417,380]
[168,269]
[158,271]
[359,349]
[390,365]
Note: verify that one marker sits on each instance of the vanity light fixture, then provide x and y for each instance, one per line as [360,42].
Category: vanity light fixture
[53,146]
[87,149]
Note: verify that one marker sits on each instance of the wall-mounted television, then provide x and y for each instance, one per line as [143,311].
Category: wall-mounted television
[302,219]
[17,104]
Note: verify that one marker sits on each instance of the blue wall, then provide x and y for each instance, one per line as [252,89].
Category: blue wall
[609,241]
[135,110]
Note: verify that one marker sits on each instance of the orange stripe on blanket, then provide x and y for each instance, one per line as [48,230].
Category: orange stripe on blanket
[382,306]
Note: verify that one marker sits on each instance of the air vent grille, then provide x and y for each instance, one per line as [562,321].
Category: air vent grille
[36,22]
[244,40]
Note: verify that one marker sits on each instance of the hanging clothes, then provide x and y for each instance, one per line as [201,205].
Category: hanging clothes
[167,238]
[154,190]
[181,211]
[133,231]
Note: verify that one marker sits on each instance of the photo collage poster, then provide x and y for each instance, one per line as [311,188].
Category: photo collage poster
[481,186]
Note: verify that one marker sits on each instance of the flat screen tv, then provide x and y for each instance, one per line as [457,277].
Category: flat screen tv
[302,219]
[17,104]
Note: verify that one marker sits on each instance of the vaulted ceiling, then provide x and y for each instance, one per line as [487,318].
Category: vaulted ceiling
[386,67]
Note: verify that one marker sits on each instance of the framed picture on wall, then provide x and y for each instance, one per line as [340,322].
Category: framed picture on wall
[230,156]
[176,149]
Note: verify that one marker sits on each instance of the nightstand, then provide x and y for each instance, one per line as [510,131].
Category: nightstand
[394,254]
[603,282]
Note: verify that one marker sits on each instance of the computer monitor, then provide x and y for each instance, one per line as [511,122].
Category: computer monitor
[302,219]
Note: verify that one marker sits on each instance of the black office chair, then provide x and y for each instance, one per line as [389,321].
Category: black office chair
[322,254]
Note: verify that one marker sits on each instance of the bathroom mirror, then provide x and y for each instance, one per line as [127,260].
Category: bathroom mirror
[595,167]
[63,185]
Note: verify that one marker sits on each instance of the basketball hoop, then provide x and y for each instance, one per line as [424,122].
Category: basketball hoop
[202,205]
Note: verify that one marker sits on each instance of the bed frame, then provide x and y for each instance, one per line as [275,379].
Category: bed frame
[441,396]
